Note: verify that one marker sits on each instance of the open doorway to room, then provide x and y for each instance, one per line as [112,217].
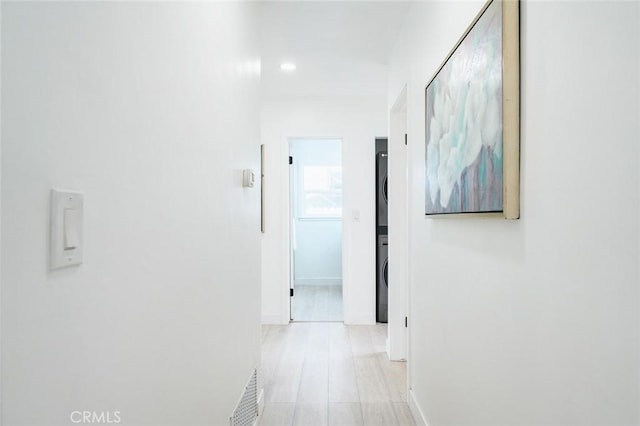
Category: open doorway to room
[315,182]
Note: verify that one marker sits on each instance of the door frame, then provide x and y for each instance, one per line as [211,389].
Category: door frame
[398,341]
[290,218]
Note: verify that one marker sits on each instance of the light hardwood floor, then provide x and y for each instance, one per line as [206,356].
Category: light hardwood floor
[331,374]
[318,303]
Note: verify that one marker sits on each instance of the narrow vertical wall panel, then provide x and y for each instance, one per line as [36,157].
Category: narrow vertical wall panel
[263,200]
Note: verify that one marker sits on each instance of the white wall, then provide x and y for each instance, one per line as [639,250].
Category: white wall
[318,240]
[151,110]
[534,321]
[357,121]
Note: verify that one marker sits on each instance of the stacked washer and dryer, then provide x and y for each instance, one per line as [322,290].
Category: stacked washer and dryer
[382,238]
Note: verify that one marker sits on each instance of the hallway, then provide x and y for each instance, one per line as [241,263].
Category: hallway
[331,374]
[169,125]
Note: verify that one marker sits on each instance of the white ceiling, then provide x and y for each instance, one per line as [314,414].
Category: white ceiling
[339,47]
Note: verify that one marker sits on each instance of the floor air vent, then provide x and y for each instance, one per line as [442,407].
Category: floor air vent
[246,411]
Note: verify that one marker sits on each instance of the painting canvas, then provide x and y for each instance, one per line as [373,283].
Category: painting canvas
[465,132]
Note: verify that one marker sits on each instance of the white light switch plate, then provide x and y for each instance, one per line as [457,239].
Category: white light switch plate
[66,228]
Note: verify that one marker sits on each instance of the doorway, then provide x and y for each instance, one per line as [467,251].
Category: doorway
[315,182]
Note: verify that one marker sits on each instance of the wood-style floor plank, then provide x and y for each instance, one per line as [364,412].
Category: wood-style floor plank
[309,414]
[345,414]
[318,303]
[284,382]
[278,414]
[331,374]
[379,413]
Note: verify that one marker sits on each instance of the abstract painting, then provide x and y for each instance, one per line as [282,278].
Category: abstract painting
[472,120]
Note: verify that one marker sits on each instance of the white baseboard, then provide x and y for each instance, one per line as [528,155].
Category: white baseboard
[273,319]
[359,319]
[418,415]
[318,281]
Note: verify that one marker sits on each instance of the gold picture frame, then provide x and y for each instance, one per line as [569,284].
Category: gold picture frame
[472,119]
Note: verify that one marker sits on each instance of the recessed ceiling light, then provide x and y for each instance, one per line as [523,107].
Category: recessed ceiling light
[288,66]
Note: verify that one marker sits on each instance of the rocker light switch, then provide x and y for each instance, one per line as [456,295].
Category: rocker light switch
[66,228]
[71,223]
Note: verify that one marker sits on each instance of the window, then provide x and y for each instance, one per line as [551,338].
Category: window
[322,191]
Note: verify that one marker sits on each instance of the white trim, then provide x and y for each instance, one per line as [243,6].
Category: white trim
[416,411]
[360,319]
[287,236]
[309,218]
[327,281]
[1,346]
[399,234]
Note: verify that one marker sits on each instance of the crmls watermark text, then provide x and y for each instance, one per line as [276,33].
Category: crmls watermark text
[95,417]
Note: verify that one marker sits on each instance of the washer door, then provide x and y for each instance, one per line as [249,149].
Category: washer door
[385,273]
[384,191]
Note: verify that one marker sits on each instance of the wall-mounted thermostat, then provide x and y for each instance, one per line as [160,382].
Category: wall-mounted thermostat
[66,228]
[248,178]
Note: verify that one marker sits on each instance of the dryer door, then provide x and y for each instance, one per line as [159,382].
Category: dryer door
[382,281]
[381,189]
